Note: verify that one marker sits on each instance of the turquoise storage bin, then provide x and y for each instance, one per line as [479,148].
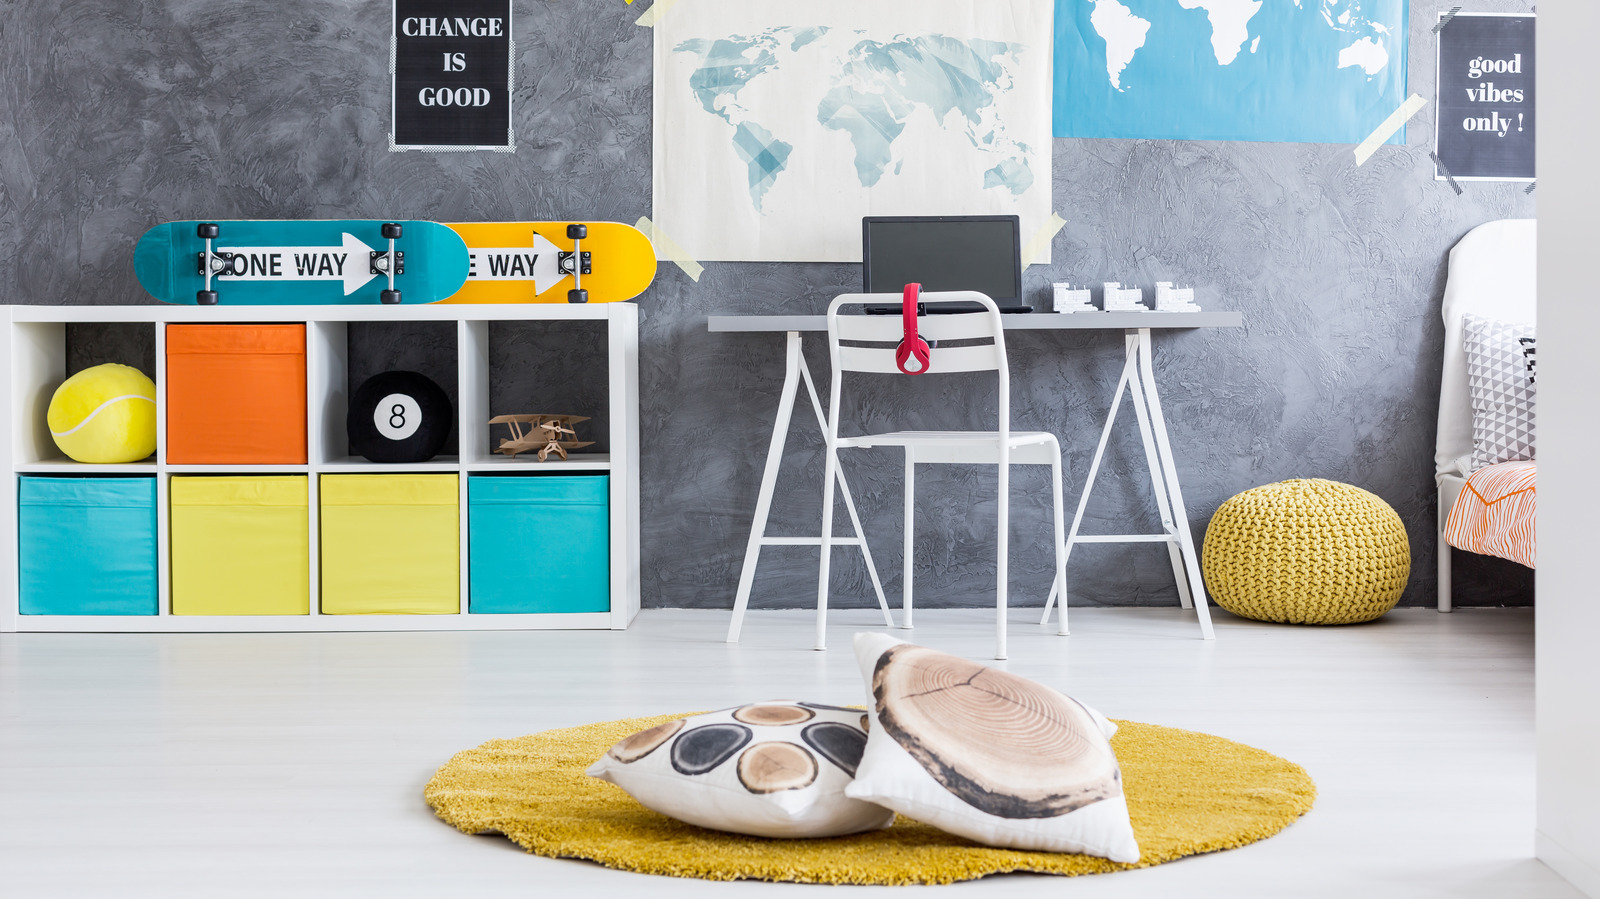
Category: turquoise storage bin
[86,546]
[539,543]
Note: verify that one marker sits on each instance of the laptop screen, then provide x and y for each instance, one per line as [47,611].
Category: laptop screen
[976,252]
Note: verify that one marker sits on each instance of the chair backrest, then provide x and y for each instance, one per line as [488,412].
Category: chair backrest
[846,333]
[1494,274]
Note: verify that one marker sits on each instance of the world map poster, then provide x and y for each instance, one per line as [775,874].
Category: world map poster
[779,125]
[1311,71]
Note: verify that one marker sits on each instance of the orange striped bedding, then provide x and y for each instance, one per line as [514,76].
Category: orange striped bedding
[1494,514]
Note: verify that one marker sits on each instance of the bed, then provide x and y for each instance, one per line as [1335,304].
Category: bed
[1483,508]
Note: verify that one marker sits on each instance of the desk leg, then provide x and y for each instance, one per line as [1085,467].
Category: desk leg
[1170,471]
[1138,379]
[1158,483]
[849,501]
[769,479]
[1128,368]
[795,371]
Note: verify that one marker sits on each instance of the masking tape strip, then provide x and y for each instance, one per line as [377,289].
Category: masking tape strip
[667,249]
[1040,241]
[1445,171]
[1444,18]
[655,12]
[1390,125]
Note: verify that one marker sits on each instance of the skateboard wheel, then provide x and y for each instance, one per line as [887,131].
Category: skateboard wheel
[390,297]
[577,232]
[391,231]
[206,297]
[207,230]
[577,295]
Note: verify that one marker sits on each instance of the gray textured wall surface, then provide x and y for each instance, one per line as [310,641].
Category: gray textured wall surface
[119,114]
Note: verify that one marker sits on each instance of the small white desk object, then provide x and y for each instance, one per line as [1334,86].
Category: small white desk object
[1069,299]
[1174,299]
[1116,298]
[1138,380]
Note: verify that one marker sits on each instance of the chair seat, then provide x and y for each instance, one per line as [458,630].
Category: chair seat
[975,447]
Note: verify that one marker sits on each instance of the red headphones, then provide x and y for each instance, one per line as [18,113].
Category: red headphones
[913,352]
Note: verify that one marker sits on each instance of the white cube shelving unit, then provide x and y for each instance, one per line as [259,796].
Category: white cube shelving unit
[36,343]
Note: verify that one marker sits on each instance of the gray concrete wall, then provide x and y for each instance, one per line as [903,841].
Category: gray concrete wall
[119,114]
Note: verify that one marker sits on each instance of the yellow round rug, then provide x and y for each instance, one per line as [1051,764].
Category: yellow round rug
[1187,793]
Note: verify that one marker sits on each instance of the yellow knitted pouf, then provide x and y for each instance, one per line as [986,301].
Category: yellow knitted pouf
[1306,552]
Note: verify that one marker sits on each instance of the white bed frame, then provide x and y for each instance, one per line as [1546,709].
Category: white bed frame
[1493,273]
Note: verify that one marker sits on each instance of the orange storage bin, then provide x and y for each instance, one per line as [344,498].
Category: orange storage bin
[236,394]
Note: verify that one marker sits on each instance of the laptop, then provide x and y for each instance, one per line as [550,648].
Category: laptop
[943,252]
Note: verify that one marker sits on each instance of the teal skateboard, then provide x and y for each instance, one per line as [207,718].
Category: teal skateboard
[300,262]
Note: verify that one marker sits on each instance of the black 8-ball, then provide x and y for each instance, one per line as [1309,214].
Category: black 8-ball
[399,416]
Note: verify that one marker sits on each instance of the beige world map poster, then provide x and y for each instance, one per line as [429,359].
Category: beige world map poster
[779,125]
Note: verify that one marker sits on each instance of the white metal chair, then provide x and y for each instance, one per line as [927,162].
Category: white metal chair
[1002,447]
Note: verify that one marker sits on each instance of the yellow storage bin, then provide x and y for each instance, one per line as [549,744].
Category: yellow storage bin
[391,544]
[241,546]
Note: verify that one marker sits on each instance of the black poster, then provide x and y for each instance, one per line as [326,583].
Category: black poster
[452,75]
[1486,97]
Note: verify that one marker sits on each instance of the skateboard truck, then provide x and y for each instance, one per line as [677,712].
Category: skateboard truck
[214,264]
[575,263]
[390,263]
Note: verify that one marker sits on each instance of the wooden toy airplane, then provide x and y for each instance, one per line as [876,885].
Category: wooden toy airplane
[544,435]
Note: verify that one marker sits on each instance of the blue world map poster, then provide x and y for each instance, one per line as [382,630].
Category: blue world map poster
[1311,71]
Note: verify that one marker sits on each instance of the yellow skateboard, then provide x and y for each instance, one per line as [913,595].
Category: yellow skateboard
[554,262]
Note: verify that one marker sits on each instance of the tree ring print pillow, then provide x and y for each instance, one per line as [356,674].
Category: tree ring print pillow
[770,769]
[987,755]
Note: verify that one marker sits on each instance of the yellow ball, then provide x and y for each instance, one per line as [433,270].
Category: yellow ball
[105,414]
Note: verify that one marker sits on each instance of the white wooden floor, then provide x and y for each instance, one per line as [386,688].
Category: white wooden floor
[293,764]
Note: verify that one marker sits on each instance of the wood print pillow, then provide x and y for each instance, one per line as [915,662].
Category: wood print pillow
[987,755]
[770,769]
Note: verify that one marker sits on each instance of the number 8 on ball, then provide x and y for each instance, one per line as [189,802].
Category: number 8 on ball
[397,416]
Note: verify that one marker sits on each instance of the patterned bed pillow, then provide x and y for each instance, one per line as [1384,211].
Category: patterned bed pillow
[1502,393]
[769,769]
[987,755]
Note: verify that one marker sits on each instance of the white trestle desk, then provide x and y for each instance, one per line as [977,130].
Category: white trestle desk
[1138,380]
